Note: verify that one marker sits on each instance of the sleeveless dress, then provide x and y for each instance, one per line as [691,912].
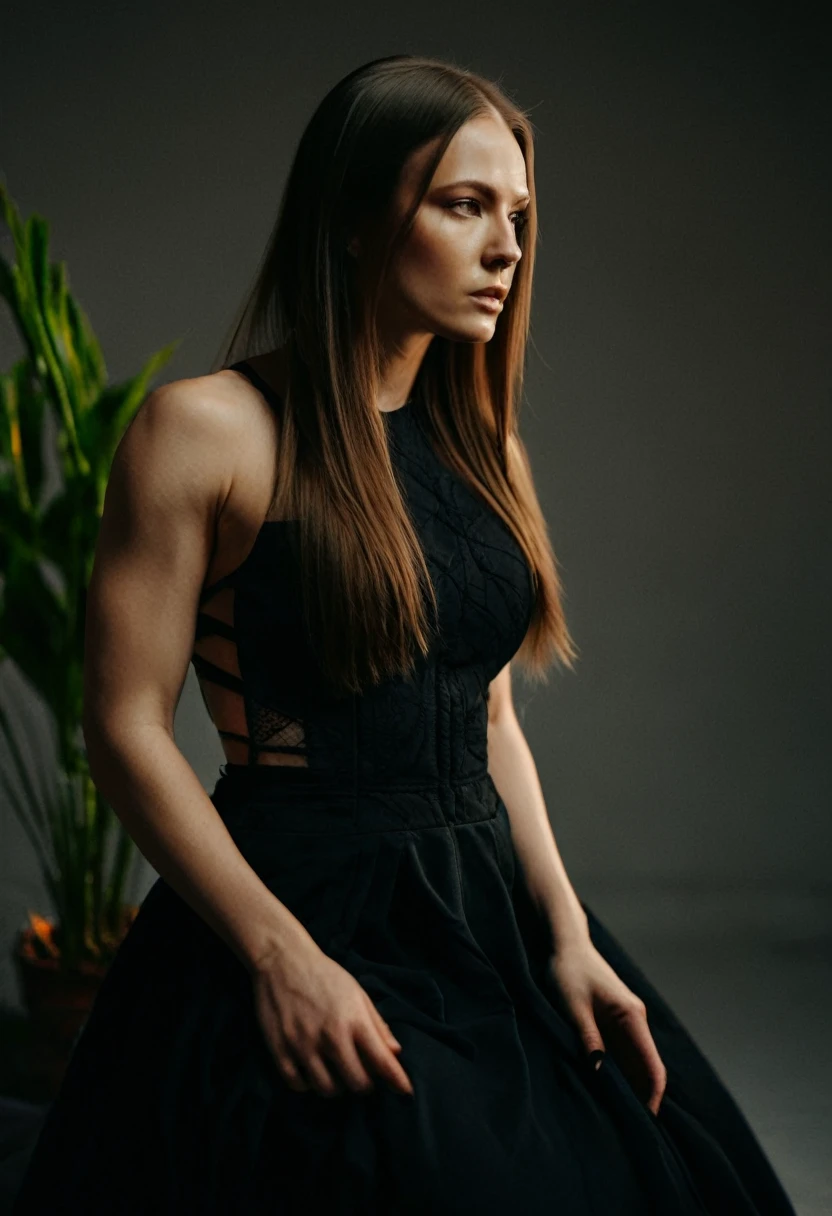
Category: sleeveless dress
[388,839]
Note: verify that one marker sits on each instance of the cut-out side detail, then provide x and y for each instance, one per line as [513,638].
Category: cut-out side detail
[250,733]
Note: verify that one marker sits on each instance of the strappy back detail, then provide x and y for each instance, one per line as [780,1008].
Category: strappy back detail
[258,734]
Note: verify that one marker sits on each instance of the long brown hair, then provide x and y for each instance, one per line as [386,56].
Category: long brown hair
[365,580]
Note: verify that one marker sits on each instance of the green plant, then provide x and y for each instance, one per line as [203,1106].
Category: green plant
[46,557]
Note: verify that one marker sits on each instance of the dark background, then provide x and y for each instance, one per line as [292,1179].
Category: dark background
[677,415]
[678,394]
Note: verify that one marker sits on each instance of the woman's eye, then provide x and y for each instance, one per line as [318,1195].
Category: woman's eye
[519,217]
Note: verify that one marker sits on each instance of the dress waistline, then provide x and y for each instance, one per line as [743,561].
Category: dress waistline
[291,798]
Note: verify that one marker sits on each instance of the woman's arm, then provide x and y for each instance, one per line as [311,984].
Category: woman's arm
[171,474]
[514,773]
[607,1014]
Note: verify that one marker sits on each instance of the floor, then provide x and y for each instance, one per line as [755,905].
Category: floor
[758,1004]
[761,1014]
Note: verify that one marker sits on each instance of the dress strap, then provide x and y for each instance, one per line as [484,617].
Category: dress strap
[257,380]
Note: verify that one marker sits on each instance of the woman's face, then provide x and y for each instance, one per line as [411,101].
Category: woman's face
[464,237]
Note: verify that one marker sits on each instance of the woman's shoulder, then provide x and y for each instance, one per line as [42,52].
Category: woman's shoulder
[214,406]
[215,428]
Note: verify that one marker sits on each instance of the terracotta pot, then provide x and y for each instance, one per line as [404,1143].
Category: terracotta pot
[58,1003]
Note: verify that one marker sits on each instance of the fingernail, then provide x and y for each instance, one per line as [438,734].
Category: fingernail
[595,1059]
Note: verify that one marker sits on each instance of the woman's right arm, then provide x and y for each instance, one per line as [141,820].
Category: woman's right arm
[170,477]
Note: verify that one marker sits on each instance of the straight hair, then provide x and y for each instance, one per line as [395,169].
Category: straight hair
[368,598]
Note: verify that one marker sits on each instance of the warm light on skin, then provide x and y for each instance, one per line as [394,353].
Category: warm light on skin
[464,237]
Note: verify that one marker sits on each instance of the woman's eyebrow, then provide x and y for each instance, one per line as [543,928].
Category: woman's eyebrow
[484,188]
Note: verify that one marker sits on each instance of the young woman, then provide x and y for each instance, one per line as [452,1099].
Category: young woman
[363,983]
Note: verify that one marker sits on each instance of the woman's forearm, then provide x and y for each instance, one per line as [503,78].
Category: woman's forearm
[514,773]
[162,804]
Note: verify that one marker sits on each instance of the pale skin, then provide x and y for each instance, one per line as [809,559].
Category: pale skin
[190,486]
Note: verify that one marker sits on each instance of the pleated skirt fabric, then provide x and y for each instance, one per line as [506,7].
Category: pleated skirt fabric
[173,1104]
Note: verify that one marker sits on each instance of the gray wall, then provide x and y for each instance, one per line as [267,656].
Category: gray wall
[679,381]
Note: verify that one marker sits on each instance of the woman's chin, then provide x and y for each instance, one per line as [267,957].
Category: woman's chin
[479,331]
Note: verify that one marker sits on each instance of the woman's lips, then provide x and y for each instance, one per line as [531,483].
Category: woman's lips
[486,301]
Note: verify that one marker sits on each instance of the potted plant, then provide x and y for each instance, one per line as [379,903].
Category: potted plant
[57,395]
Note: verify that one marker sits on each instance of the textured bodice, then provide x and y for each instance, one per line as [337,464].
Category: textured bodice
[429,724]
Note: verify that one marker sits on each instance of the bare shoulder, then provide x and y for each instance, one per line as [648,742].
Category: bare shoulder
[205,441]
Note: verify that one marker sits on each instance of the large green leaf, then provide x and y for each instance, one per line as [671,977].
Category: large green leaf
[46,555]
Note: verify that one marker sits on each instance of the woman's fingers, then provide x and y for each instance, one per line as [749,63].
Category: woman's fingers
[381,1057]
[637,1055]
[302,1065]
[327,1085]
[315,1068]
[342,1052]
[350,1064]
[583,1017]
[386,1032]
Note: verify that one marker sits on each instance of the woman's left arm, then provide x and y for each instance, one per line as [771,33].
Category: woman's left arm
[606,1012]
[513,770]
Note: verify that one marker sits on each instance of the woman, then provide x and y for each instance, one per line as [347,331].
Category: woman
[363,982]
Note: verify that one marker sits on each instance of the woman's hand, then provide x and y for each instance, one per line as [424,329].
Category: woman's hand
[314,1015]
[609,1015]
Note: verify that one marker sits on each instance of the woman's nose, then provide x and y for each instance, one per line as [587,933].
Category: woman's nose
[506,249]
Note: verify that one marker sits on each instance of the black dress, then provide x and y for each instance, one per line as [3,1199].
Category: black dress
[392,845]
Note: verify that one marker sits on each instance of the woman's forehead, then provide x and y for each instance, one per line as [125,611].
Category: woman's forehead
[483,151]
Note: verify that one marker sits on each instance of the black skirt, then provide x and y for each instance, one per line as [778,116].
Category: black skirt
[172,1102]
